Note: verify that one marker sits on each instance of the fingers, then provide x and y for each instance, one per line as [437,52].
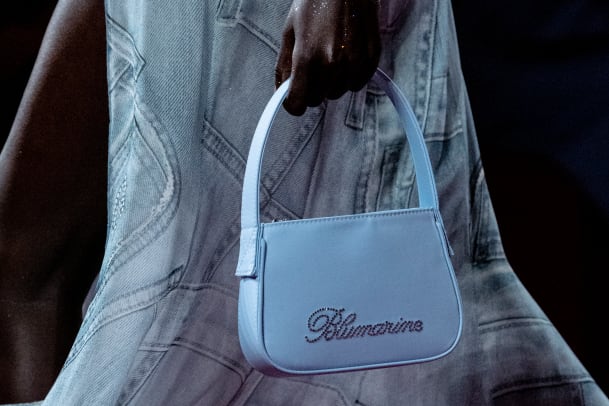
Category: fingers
[296,100]
[327,55]
[316,78]
[283,69]
[298,93]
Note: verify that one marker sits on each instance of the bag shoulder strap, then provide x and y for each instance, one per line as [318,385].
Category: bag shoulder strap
[250,205]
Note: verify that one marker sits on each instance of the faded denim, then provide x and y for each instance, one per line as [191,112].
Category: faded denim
[187,81]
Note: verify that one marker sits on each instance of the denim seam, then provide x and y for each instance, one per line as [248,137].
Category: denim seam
[259,33]
[153,347]
[356,110]
[232,238]
[287,159]
[487,328]
[122,163]
[247,388]
[425,51]
[555,380]
[369,137]
[125,50]
[213,355]
[329,387]
[151,152]
[123,143]
[360,388]
[222,149]
[117,77]
[580,392]
[169,280]
[405,179]
[274,205]
[165,285]
[476,229]
[229,20]
[225,153]
[440,137]
[208,286]
[492,252]
[240,19]
[217,145]
[389,165]
[163,212]
[140,382]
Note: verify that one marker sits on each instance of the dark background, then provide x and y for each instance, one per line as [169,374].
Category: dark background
[538,80]
[537,74]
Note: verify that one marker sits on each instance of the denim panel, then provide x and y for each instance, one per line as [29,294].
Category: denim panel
[522,349]
[542,393]
[185,99]
[279,392]
[205,352]
[486,239]
[143,174]
[133,301]
[193,338]
[259,18]
[452,380]
[592,394]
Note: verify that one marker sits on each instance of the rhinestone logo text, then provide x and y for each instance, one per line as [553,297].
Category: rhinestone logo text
[330,324]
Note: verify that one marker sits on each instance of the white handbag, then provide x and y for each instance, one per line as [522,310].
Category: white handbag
[349,292]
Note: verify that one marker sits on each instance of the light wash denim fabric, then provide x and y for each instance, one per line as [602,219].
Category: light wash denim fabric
[187,82]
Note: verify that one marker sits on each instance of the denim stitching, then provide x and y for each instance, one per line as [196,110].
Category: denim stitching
[223,150]
[356,110]
[498,325]
[124,50]
[389,168]
[210,353]
[155,291]
[118,151]
[162,215]
[425,51]
[554,380]
[126,397]
[279,169]
[331,388]
[440,137]
[231,238]
[228,18]
[369,137]
[259,33]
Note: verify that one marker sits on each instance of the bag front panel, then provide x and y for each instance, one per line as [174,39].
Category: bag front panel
[345,292]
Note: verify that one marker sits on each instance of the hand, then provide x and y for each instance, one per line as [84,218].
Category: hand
[328,47]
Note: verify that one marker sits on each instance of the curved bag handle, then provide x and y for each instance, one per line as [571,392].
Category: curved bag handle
[250,205]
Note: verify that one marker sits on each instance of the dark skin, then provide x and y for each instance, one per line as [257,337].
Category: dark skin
[52,201]
[329,47]
[53,168]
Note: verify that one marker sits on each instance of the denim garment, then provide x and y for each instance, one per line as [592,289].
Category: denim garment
[188,80]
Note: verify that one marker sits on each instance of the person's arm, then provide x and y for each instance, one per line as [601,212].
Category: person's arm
[53,200]
[328,47]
